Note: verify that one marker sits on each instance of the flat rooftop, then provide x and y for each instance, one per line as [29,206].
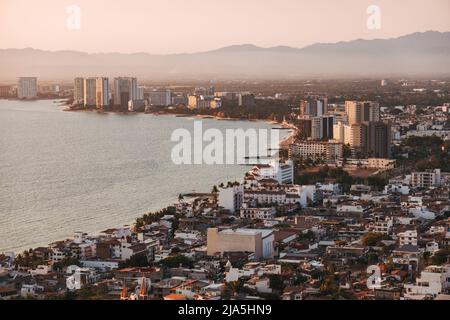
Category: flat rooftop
[248,232]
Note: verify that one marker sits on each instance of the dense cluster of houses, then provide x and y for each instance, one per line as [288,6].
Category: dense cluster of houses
[264,238]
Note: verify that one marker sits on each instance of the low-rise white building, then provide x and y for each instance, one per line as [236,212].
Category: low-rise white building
[397,188]
[189,237]
[409,237]
[382,225]
[433,281]
[343,209]
[381,163]
[283,172]
[41,270]
[230,198]
[318,150]
[426,179]
[260,242]
[422,212]
[100,264]
[257,213]
[30,290]
[432,247]
[80,277]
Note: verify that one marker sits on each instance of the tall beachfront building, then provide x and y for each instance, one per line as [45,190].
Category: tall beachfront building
[161,98]
[322,127]
[379,140]
[356,136]
[27,88]
[90,91]
[78,91]
[102,92]
[140,93]
[125,89]
[314,107]
[362,111]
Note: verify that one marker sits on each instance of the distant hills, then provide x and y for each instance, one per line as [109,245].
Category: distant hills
[426,53]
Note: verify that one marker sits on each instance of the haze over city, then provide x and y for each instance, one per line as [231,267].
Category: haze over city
[222,151]
[177,26]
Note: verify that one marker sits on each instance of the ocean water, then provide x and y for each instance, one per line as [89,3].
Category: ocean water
[62,172]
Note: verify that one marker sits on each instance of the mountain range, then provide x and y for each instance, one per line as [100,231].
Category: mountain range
[426,53]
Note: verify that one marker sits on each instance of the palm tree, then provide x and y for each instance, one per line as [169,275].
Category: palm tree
[235,287]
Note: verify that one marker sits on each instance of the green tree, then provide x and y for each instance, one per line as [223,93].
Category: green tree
[328,287]
[276,282]
[371,239]
[441,257]
[136,261]
[177,261]
[68,261]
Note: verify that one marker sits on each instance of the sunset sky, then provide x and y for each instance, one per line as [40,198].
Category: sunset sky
[176,26]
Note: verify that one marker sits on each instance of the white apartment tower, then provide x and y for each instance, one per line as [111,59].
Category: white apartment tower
[339,132]
[102,92]
[161,98]
[90,90]
[78,91]
[27,88]
[426,179]
[125,89]
[140,93]
[230,198]
[362,111]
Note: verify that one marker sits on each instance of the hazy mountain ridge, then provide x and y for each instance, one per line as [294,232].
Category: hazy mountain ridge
[417,53]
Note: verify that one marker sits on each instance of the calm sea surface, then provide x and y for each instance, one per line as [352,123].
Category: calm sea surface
[62,172]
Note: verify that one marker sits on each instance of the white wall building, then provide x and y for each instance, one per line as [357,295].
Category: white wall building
[78,91]
[433,281]
[189,237]
[102,92]
[30,290]
[381,163]
[100,264]
[408,237]
[162,98]
[318,150]
[426,179]
[125,89]
[80,277]
[41,270]
[90,92]
[257,213]
[382,225]
[27,88]
[230,198]
[140,93]
[260,242]
[282,172]
[397,188]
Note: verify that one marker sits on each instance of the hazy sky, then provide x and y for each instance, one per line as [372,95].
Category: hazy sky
[175,26]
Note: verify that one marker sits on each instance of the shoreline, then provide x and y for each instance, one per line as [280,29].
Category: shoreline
[284,143]
[132,222]
[163,113]
[128,225]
